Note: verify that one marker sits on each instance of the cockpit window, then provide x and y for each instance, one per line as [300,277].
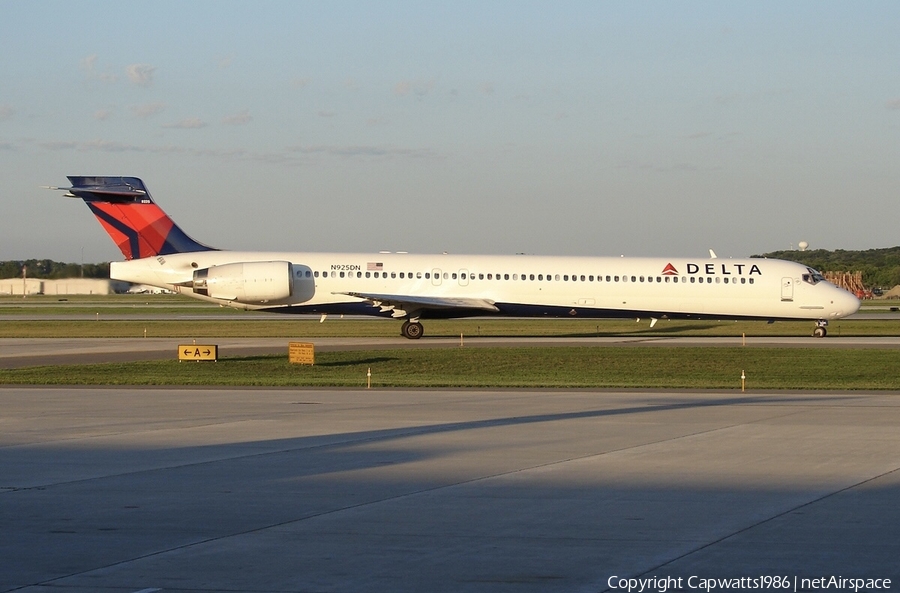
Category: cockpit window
[813,277]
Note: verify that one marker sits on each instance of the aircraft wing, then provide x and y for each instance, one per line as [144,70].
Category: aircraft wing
[402,304]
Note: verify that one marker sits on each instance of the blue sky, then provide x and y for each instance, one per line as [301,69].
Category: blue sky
[583,128]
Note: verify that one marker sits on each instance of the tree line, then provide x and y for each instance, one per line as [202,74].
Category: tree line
[51,270]
[880,267]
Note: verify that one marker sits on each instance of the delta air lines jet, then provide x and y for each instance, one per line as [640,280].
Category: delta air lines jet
[413,287]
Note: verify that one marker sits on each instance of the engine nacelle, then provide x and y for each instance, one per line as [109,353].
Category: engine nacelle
[246,282]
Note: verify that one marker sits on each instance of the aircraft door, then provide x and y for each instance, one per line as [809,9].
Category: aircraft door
[436,276]
[787,289]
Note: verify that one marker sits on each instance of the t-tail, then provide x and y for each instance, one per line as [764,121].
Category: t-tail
[133,220]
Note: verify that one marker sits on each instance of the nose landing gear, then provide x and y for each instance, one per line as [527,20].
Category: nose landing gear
[820,331]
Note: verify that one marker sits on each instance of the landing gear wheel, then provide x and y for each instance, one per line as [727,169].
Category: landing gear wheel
[820,332]
[412,330]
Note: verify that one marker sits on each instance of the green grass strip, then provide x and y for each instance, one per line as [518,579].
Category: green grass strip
[558,367]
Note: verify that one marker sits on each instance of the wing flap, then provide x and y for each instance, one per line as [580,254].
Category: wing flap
[404,303]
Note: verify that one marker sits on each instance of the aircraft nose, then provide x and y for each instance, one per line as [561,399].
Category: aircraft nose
[845,303]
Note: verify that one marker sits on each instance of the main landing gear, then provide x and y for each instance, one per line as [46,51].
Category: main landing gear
[411,329]
[820,331]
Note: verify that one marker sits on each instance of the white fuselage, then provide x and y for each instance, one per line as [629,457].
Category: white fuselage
[521,285]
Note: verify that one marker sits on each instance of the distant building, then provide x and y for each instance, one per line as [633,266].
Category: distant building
[17,286]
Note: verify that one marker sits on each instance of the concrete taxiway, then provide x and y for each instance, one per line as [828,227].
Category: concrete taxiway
[138,489]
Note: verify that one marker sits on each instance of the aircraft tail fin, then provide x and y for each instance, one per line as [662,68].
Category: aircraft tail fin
[133,220]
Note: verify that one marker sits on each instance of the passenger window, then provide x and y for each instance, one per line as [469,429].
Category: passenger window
[617,278]
[359,274]
[368,274]
[591,278]
[418,275]
[317,274]
[454,275]
[692,279]
[751,280]
[428,275]
[446,276]
[556,277]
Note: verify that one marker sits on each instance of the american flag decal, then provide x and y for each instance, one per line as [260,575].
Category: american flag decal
[374,266]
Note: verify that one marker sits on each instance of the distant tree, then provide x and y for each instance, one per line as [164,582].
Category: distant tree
[880,267]
[51,270]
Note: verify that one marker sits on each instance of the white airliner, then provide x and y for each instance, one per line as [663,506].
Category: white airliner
[413,287]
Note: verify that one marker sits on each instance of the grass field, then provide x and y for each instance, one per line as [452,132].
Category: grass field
[595,367]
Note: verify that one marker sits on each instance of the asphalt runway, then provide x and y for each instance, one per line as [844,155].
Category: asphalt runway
[260,490]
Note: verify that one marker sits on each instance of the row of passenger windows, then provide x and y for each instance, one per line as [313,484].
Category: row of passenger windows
[533,277]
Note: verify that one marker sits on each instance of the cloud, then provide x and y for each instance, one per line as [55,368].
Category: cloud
[188,123]
[147,110]
[88,65]
[238,119]
[893,104]
[415,87]
[6,111]
[361,151]
[141,74]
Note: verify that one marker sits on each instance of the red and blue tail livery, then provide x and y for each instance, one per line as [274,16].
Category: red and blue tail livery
[127,212]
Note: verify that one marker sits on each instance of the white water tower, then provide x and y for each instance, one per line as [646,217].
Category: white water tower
[802,245]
